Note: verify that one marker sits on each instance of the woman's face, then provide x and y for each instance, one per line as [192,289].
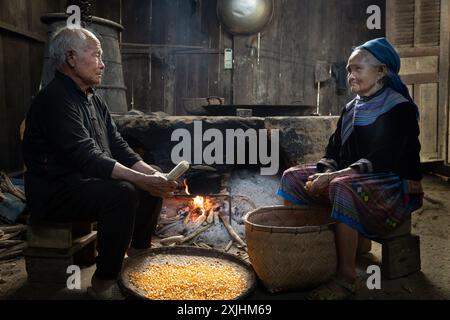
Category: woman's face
[362,77]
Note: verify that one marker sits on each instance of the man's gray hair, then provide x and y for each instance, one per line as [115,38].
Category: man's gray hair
[69,39]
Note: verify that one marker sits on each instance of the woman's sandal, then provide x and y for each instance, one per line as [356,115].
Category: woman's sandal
[336,289]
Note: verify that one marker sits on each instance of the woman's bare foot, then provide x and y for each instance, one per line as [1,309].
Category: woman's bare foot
[336,289]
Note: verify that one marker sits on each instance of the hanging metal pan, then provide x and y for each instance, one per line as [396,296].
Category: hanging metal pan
[245,16]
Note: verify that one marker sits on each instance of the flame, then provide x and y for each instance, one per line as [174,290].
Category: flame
[199,205]
[199,202]
[186,189]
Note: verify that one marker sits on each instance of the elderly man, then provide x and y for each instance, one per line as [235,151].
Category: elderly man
[80,168]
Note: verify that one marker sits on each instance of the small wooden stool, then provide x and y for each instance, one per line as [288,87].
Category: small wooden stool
[52,247]
[400,252]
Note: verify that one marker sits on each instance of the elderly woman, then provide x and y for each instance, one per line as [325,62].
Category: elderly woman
[370,174]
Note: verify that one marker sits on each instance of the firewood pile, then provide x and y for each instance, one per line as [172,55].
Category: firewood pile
[6,186]
[12,243]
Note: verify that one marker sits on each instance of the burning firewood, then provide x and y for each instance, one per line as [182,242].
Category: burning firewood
[204,245]
[167,227]
[228,247]
[187,218]
[170,220]
[210,216]
[216,217]
[170,240]
[183,211]
[195,233]
[200,219]
[231,231]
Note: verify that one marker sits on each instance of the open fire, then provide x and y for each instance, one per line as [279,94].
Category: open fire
[200,209]
[187,216]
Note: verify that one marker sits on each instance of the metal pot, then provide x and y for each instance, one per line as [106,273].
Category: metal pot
[195,106]
[203,180]
[245,16]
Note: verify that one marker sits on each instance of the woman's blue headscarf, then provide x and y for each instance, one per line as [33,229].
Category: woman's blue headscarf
[385,53]
[362,112]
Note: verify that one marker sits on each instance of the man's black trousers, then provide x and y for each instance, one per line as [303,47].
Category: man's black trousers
[124,215]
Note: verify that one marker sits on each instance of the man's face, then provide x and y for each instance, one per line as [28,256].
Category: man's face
[88,65]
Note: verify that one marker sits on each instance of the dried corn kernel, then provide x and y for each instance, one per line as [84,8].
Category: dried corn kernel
[189,281]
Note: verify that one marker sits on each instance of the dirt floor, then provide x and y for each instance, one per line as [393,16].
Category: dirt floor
[431,223]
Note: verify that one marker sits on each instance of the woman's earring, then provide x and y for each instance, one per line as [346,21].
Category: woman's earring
[380,83]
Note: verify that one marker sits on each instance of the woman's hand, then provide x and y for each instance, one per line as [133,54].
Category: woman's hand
[318,182]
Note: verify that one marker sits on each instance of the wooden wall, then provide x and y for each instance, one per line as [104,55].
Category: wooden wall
[170,52]
[22,40]
[301,34]
[173,49]
[419,29]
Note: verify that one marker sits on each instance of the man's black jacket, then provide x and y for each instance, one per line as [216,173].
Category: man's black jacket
[69,136]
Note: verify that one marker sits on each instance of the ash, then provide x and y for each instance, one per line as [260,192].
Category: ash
[250,190]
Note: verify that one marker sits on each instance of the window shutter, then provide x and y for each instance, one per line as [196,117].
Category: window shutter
[414,23]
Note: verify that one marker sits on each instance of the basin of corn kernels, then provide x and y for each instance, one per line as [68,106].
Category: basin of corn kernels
[196,278]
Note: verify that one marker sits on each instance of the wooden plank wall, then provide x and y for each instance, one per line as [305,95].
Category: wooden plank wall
[414,26]
[22,40]
[173,49]
[160,75]
[182,60]
[444,76]
[301,33]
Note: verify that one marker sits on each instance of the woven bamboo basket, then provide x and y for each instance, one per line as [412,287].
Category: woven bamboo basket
[291,247]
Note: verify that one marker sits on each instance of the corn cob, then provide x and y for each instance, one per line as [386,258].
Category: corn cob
[178,171]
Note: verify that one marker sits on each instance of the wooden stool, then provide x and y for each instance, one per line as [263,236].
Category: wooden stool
[400,252]
[52,247]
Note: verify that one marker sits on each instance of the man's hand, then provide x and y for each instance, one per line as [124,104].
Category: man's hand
[153,182]
[144,168]
[160,174]
[157,185]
